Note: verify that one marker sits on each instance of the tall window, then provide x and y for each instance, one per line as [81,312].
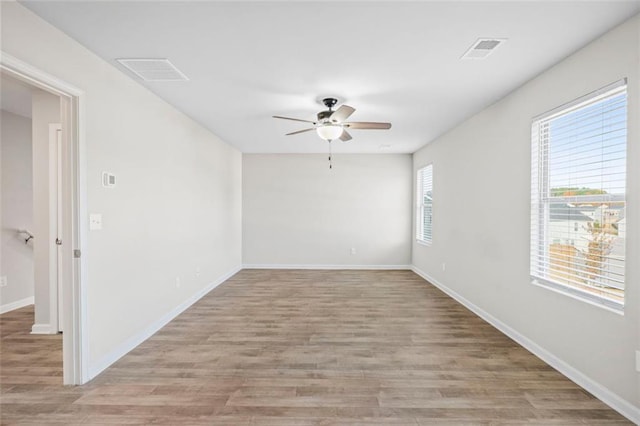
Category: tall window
[424,225]
[578,178]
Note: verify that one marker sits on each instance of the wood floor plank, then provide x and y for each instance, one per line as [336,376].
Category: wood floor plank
[271,347]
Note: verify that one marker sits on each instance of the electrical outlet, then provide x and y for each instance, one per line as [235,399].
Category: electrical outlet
[197,271]
[353,250]
[178,282]
[3,281]
[444,266]
[638,361]
[95,222]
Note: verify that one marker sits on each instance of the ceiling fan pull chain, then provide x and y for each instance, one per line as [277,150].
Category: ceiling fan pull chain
[330,165]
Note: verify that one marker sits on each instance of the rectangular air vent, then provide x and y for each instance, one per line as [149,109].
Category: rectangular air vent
[153,69]
[482,48]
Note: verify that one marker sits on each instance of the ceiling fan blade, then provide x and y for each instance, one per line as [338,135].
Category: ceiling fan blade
[367,125]
[300,131]
[345,136]
[341,113]
[293,119]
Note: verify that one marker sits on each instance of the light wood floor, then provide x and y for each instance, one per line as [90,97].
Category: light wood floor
[302,348]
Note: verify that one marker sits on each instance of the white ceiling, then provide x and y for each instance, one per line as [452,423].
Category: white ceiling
[15,96]
[396,62]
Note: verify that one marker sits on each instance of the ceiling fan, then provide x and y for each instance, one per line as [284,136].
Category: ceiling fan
[330,124]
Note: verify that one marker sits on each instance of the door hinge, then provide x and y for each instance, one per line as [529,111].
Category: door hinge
[58,241]
[76,254]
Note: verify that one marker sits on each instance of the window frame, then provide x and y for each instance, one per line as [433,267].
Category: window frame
[421,206]
[541,198]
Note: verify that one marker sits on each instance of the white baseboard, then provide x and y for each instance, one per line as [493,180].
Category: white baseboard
[334,267]
[134,341]
[614,401]
[43,329]
[16,305]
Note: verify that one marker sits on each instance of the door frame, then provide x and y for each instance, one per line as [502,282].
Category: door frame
[74,208]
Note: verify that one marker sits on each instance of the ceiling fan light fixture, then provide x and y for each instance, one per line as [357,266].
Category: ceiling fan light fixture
[329,131]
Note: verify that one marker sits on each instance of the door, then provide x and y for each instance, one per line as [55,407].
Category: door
[59,217]
[56,225]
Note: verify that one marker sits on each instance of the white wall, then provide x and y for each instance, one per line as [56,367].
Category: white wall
[17,209]
[45,111]
[177,203]
[482,218]
[297,211]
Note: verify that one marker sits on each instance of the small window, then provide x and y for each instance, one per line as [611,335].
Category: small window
[424,225]
[578,197]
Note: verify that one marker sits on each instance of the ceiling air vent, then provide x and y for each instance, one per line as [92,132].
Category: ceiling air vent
[153,69]
[482,48]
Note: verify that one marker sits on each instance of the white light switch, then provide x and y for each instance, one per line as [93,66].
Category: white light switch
[95,221]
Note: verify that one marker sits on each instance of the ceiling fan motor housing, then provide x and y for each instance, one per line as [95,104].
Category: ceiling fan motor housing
[324,115]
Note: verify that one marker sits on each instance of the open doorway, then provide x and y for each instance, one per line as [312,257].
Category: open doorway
[31,217]
[17,270]
[31,156]
[40,257]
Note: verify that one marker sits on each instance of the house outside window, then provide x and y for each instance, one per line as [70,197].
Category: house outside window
[578,197]
[424,225]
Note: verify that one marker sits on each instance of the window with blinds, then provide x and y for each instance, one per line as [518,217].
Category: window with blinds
[424,225]
[578,177]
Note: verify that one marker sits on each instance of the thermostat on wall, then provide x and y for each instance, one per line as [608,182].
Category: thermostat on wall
[108,180]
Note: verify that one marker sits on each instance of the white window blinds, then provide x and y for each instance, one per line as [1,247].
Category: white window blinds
[424,225]
[578,225]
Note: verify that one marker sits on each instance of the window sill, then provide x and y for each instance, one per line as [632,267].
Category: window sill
[424,243]
[591,299]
